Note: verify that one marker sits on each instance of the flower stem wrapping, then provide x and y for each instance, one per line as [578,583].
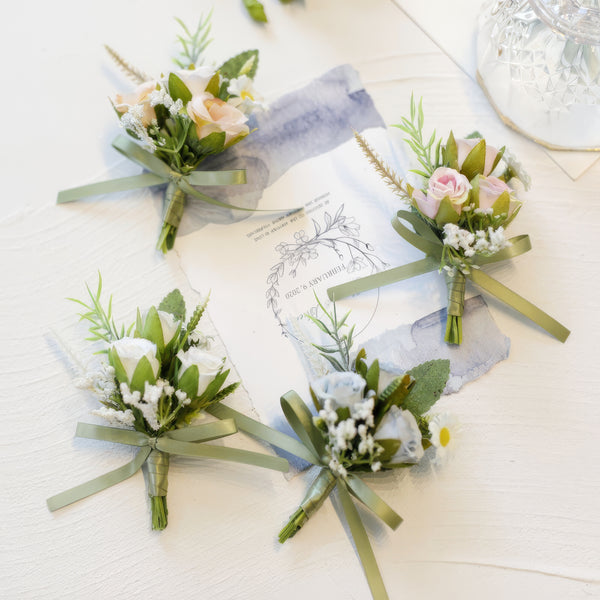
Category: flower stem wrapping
[158,471]
[317,493]
[174,204]
[456,304]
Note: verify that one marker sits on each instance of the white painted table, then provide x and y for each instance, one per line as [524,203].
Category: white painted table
[514,515]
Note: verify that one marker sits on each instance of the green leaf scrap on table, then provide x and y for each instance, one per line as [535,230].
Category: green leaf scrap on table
[152,386]
[176,120]
[257,11]
[458,211]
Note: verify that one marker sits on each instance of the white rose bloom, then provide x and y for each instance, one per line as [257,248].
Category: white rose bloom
[342,388]
[401,425]
[131,350]
[208,366]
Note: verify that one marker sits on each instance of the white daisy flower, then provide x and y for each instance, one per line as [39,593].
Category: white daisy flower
[245,98]
[444,429]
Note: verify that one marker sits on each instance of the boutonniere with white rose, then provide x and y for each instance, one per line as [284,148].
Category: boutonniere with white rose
[156,379]
[177,120]
[458,212]
[362,426]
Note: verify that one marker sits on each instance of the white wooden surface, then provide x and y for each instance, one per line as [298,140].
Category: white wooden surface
[513,515]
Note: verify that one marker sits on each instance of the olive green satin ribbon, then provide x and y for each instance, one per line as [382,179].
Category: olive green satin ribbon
[182,442]
[312,449]
[160,173]
[425,240]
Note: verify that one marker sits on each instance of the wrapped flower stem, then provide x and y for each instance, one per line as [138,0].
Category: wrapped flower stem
[456,303]
[174,205]
[157,466]
[317,493]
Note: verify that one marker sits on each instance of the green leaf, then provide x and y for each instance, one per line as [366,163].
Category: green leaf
[188,382]
[498,158]
[174,304]
[502,204]
[115,362]
[430,381]
[178,90]
[256,10]
[212,143]
[474,164]
[396,391]
[474,193]
[152,329]
[233,67]
[390,447]
[143,373]
[446,213]
[214,84]
[372,376]
[451,152]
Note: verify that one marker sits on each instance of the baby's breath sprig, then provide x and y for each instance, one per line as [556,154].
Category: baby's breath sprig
[193,44]
[102,326]
[423,150]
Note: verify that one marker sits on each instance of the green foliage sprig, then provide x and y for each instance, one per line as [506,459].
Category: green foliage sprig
[193,44]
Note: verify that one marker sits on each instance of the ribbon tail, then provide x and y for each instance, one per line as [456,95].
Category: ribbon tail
[263,432]
[221,453]
[526,308]
[363,546]
[99,483]
[370,282]
[371,500]
[121,184]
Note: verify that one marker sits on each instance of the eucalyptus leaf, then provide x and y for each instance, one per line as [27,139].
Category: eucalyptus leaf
[231,68]
[174,304]
[430,380]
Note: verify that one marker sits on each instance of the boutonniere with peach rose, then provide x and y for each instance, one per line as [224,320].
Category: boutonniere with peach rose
[177,120]
[157,378]
[457,215]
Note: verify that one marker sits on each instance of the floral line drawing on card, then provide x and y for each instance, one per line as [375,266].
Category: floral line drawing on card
[339,233]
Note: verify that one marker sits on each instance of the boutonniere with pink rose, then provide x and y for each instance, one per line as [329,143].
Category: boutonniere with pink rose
[157,379]
[175,121]
[457,216]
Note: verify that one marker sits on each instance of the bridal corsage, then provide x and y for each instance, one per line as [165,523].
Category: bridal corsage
[362,426]
[156,378]
[177,120]
[459,212]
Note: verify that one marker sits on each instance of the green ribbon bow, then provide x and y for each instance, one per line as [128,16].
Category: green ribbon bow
[311,448]
[159,173]
[425,240]
[155,451]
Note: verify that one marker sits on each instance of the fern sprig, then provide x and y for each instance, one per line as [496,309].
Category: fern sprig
[402,189]
[132,72]
[102,325]
[193,44]
[426,152]
[342,342]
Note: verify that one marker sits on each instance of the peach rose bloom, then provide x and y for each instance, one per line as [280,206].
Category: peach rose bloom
[140,95]
[211,114]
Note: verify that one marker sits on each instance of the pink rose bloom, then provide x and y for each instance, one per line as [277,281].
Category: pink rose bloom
[448,183]
[123,102]
[490,189]
[211,114]
[197,79]
[465,146]
[426,205]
